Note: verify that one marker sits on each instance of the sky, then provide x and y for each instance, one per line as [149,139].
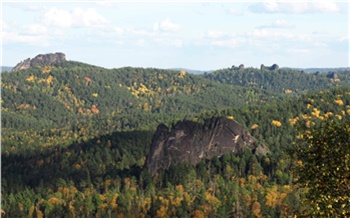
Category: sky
[199,35]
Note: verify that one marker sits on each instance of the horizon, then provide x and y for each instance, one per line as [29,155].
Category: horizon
[183,68]
[201,36]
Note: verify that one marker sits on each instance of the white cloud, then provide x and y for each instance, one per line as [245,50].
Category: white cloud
[295,7]
[140,42]
[77,17]
[214,34]
[278,35]
[166,25]
[277,24]
[231,43]
[169,42]
[299,51]
[234,12]
[139,32]
[13,34]
[119,31]
[344,38]
[57,17]
[15,37]
[36,29]
[88,18]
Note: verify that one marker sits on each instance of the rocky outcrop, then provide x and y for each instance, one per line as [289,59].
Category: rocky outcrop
[189,142]
[40,60]
[241,67]
[333,75]
[273,67]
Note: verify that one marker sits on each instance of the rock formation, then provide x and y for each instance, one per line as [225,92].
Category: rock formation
[241,67]
[189,142]
[40,60]
[333,75]
[273,67]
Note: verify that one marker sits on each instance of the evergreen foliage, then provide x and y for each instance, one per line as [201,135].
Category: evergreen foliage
[75,138]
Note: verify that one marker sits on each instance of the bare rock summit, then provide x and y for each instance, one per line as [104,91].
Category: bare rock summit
[41,60]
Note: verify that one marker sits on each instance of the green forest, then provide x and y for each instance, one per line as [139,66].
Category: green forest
[75,138]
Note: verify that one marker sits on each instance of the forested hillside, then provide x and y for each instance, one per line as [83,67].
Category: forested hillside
[69,92]
[284,80]
[75,139]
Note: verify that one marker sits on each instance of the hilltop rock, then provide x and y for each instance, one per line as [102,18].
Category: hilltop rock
[189,142]
[240,67]
[40,60]
[333,75]
[273,67]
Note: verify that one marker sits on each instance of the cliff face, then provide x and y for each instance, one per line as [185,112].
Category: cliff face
[189,142]
[41,59]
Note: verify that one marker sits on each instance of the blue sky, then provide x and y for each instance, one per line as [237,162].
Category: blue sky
[194,35]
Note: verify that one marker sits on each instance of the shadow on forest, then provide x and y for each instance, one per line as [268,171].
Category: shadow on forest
[119,154]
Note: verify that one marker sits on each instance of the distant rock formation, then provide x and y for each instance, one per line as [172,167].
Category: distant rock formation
[333,75]
[40,60]
[241,67]
[189,142]
[273,67]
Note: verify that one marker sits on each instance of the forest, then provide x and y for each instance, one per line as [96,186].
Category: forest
[75,138]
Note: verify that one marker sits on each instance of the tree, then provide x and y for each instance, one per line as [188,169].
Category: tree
[323,167]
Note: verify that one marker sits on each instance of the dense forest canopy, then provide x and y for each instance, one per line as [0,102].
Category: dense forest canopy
[75,139]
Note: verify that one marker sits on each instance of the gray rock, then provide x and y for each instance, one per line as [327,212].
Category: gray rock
[41,60]
[189,142]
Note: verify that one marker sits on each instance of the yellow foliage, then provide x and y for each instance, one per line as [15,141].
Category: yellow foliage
[230,117]
[293,121]
[254,126]
[256,207]
[214,201]
[77,166]
[339,117]
[49,79]
[198,214]
[31,211]
[271,197]
[182,74]
[71,209]
[54,200]
[339,102]
[328,114]
[94,109]
[276,123]
[315,112]
[31,78]
[95,95]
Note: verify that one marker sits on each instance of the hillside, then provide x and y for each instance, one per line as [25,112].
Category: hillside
[283,81]
[71,92]
[75,140]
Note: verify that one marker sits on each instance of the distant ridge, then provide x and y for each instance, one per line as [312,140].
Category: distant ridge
[321,70]
[192,71]
[5,68]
